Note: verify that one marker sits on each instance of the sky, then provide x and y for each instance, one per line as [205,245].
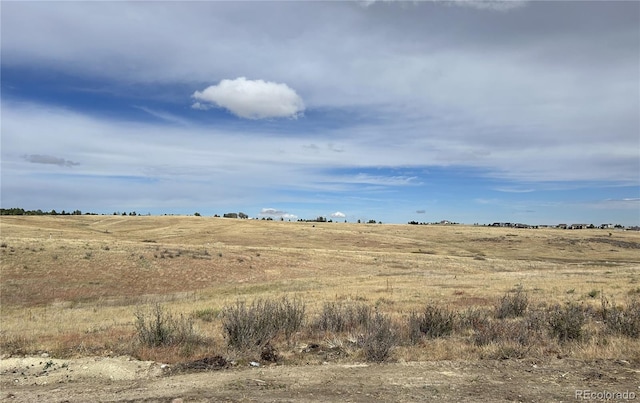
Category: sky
[473,112]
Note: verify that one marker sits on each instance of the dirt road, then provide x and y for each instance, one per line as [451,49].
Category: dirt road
[123,379]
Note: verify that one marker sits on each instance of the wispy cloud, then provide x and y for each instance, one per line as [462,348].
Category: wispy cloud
[494,5]
[49,160]
[164,116]
[514,190]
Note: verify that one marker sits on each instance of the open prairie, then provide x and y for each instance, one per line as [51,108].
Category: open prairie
[71,287]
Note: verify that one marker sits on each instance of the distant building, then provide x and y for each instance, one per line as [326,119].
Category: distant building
[230,215]
[579,226]
[562,226]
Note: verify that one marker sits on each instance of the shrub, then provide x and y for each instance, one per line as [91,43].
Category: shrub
[489,331]
[247,327]
[380,338]
[433,322]
[625,321]
[471,317]
[512,305]
[339,318]
[566,322]
[251,326]
[159,328]
[291,316]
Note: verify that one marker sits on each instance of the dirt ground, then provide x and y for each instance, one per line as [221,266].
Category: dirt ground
[37,379]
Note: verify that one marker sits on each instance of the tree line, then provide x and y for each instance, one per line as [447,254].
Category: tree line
[21,211]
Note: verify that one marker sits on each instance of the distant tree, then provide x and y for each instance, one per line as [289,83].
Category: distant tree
[242,215]
[197,214]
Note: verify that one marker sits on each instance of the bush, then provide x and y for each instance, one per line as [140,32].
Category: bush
[156,327]
[291,316]
[433,322]
[622,321]
[379,339]
[470,318]
[512,305]
[247,327]
[340,318]
[566,322]
[489,331]
[251,326]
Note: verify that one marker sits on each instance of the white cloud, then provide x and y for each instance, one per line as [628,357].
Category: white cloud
[338,214]
[252,99]
[495,5]
[271,212]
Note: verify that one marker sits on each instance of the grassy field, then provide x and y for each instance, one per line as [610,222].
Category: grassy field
[71,285]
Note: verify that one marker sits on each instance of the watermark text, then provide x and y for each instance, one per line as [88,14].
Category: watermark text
[586,394]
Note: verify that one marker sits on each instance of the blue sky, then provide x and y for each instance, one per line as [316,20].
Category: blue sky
[473,112]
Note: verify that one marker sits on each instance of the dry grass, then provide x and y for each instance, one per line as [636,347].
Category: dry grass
[71,285]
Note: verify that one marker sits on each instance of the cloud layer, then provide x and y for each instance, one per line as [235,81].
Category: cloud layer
[525,103]
[251,99]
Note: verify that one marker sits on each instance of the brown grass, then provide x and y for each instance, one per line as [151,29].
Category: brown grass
[70,285]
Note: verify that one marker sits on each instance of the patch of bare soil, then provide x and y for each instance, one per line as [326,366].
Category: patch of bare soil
[616,242]
[122,379]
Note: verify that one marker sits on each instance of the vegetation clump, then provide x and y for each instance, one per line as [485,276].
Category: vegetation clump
[156,327]
[433,322]
[512,305]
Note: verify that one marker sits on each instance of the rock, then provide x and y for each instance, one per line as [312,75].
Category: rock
[44,355]
[254,364]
